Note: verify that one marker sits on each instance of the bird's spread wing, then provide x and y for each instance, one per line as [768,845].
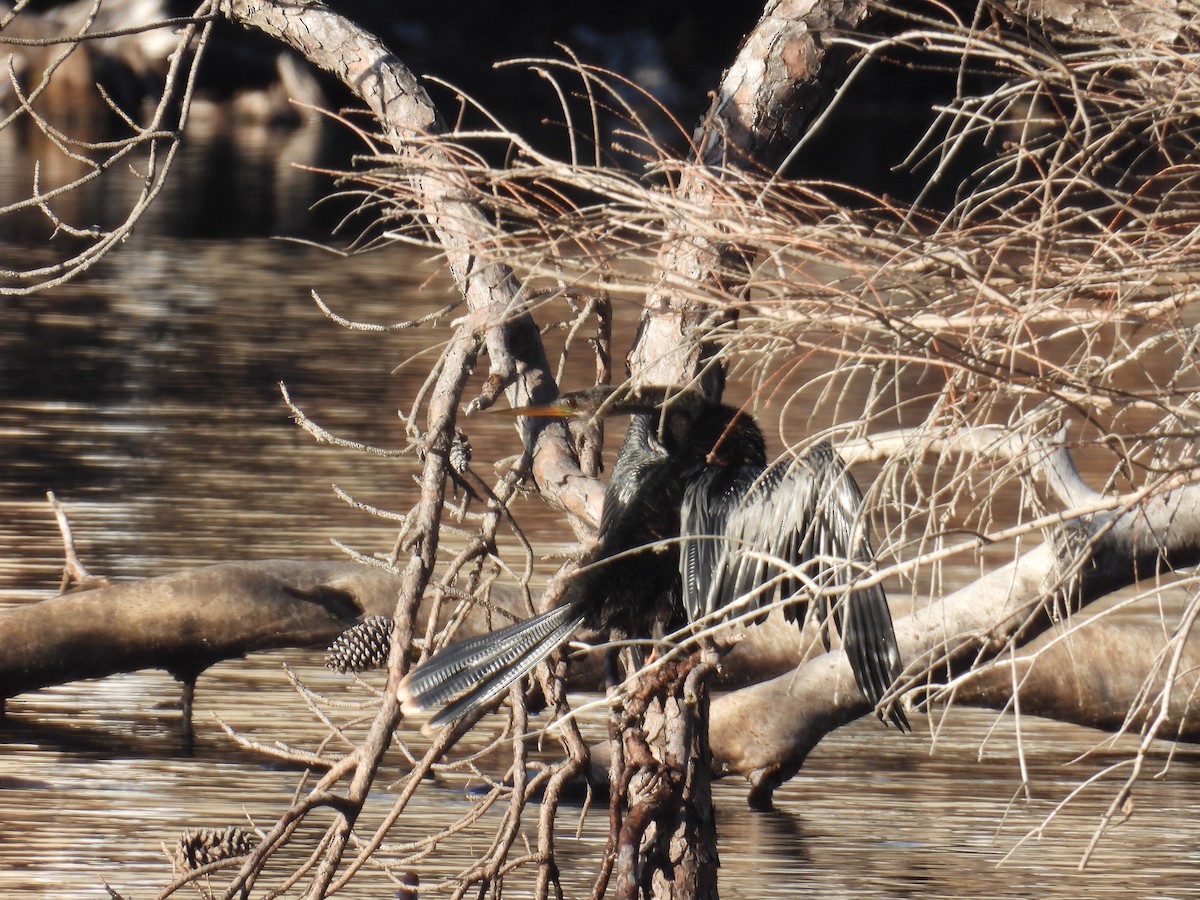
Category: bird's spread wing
[704,515]
[792,531]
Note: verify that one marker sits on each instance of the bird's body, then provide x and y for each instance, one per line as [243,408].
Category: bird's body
[694,520]
[635,581]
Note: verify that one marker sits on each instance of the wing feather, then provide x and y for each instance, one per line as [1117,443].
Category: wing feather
[798,520]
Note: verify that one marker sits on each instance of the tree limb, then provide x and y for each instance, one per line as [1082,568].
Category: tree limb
[186,621]
[413,127]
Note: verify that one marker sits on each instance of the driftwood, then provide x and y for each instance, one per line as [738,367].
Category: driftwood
[186,621]
[1104,676]
[1109,677]
[127,62]
[763,731]
[189,620]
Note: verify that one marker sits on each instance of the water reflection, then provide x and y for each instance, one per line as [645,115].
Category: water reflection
[231,178]
[149,401]
[146,396]
[93,780]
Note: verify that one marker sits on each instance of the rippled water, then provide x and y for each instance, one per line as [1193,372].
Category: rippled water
[146,396]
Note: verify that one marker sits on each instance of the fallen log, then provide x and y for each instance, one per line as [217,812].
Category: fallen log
[186,621]
[189,620]
[1105,676]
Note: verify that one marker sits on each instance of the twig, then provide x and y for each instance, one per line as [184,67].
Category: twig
[74,571]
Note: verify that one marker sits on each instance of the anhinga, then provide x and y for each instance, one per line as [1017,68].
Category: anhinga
[694,519]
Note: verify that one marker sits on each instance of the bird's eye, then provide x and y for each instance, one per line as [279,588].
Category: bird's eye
[570,402]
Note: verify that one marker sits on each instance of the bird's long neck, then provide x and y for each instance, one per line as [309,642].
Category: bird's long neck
[692,429]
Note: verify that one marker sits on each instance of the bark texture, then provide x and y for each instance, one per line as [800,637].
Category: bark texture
[775,86]
[1080,21]
[765,98]
[663,818]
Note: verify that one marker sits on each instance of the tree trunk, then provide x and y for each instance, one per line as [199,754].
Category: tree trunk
[667,842]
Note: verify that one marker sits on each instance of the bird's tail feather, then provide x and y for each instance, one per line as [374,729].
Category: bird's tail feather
[482,667]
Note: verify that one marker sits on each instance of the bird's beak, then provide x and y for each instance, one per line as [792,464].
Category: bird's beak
[567,405]
[543,410]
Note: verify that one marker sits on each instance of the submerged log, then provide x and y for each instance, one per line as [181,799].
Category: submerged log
[185,622]
[1105,676]
[766,731]
[189,620]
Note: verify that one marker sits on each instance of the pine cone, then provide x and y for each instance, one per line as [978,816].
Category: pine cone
[460,452]
[200,846]
[362,647]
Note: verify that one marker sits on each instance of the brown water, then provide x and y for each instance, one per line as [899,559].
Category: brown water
[146,397]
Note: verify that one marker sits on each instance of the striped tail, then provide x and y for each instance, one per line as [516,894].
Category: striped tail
[482,667]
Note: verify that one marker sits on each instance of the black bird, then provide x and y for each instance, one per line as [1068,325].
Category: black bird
[694,519]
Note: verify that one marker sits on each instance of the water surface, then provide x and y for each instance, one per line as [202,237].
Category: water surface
[146,396]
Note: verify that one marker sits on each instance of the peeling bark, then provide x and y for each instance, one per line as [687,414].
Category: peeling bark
[666,840]
[775,86]
[1089,21]
[764,732]
[764,99]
